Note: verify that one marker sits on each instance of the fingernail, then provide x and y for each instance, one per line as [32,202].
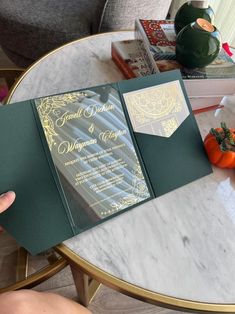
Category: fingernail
[10,195]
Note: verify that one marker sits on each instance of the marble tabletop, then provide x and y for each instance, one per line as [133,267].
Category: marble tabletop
[181,244]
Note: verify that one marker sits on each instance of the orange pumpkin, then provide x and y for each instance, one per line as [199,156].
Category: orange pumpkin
[220,146]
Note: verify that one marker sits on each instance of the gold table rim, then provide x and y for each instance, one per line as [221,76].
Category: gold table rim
[106,278]
[138,292]
[38,277]
[18,81]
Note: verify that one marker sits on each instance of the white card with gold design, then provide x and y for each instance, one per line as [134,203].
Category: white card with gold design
[157,110]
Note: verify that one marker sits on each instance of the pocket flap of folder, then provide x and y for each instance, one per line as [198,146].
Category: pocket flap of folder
[157,110]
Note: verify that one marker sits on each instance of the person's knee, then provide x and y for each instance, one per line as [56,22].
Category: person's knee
[32,302]
[17,302]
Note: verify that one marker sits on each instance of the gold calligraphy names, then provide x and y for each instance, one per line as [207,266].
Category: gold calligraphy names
[108,135]
[66,147]
[88,112]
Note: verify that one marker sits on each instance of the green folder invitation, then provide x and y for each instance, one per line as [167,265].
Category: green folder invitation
[79,158]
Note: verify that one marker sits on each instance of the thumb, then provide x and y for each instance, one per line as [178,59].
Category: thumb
[6,200]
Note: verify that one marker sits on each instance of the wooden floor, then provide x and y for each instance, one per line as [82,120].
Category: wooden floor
[106,301]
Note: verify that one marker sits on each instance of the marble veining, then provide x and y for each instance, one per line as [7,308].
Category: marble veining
[181,244]
[82,64]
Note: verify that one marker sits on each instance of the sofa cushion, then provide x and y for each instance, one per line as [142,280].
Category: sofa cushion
[32,28]
[121,14]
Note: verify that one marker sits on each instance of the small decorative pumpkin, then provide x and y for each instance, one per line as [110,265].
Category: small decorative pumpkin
[220,146]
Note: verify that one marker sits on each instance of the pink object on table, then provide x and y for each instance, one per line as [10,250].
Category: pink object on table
[227,49]
[3,92]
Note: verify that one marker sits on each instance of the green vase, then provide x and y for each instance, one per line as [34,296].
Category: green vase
[190,11]
[196,47]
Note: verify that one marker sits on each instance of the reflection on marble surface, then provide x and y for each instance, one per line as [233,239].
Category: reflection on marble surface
[83,64]
[189,233]
[181,244]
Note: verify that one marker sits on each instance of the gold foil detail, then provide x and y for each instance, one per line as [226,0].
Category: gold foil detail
[139,190]
[52,104]
[112,171]
[91,128]
[169,126]
[157,110]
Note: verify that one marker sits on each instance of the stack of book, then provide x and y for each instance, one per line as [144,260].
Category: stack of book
[154,48]
[127,57]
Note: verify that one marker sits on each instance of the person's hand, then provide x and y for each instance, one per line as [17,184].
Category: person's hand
[6,200]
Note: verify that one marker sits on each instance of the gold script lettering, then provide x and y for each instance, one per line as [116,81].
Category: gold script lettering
[66,147]
[111,135]
[68,116]
[88,112]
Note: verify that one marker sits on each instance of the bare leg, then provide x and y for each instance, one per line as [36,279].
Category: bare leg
[32,302]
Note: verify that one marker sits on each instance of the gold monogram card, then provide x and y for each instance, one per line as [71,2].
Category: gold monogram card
[157,110]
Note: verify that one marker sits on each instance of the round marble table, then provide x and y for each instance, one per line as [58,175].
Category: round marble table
[177,250]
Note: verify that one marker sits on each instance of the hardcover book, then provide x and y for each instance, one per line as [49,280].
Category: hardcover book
[80,158]
[158,36]
[127,57]
[159,39]
[215,80]
[200,95]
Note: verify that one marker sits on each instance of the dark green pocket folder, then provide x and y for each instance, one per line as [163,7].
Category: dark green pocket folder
[72,169]
[174,161]
[39,217]
[165,161]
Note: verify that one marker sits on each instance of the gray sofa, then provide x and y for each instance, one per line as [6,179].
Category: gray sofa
[31,28]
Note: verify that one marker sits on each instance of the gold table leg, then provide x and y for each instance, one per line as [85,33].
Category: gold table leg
[22,264]
[86,287]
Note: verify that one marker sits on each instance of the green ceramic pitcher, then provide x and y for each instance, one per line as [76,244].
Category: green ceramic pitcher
[198,44]
[190,11]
